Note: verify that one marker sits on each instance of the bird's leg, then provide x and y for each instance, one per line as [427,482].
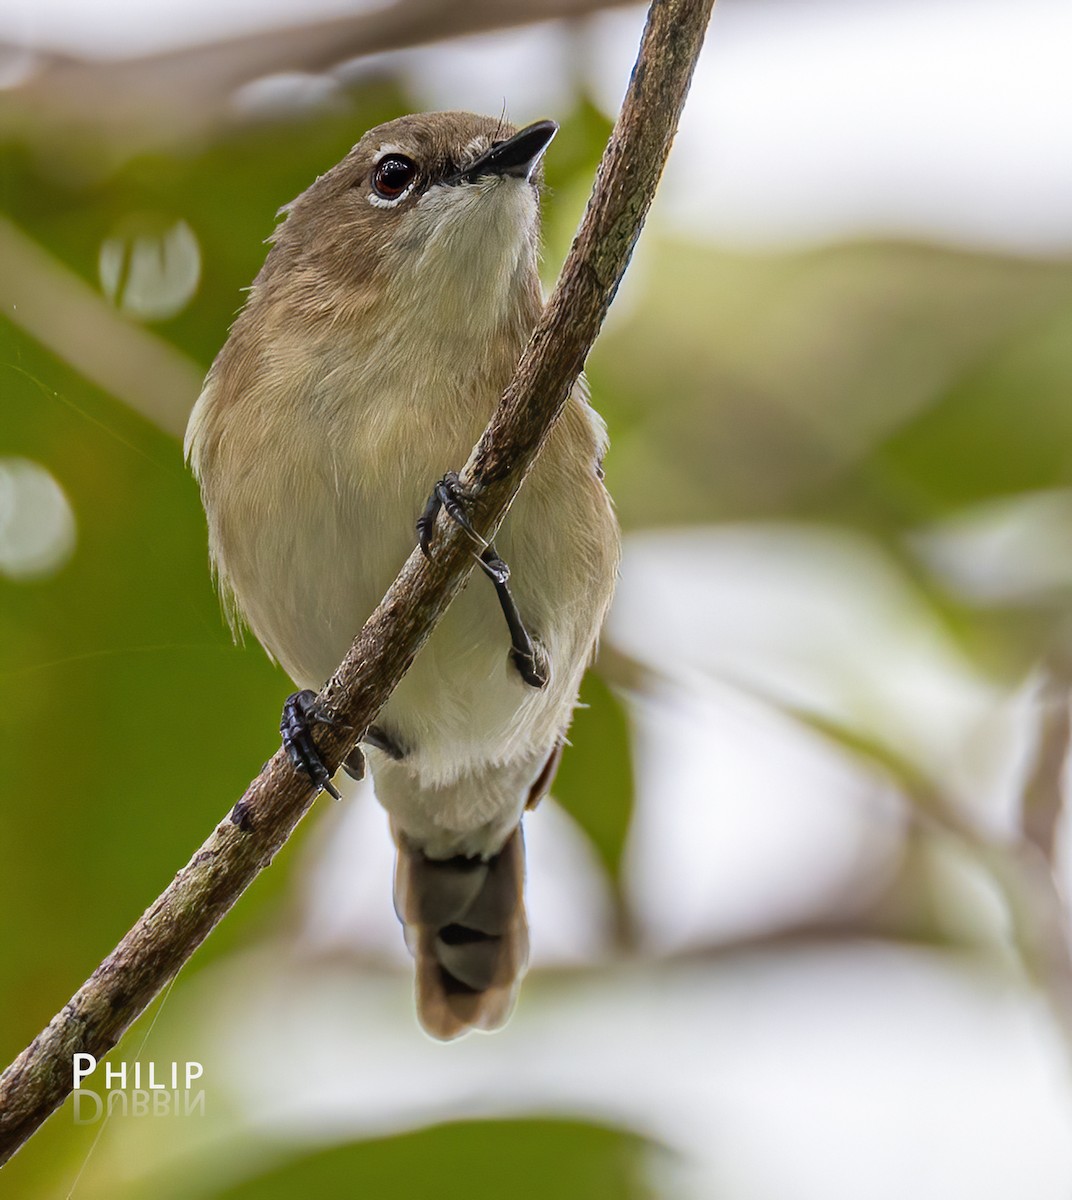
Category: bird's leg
[375,736]
[530,660]
[446,494]
[354,763]
[300,712]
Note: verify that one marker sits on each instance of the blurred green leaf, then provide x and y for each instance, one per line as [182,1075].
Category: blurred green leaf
[863,382]
[129,722]
[477,1160]
[569,171]
[1004,426]
[595,781]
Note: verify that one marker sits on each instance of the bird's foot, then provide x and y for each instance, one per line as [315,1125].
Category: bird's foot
[300,713]
[449,496]
[532,667]
[354,763]
[525,653]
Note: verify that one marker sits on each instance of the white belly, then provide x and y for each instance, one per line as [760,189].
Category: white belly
[317,440]
[462,707]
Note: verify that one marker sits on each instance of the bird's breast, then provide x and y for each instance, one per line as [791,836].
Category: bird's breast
[320,516]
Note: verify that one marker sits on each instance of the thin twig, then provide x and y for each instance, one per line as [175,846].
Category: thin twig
[1038,919]
[1018,866]
[246,841]
[73,321]
[183,92]
[1043,799]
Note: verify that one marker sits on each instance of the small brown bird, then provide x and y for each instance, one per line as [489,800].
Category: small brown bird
[376,341]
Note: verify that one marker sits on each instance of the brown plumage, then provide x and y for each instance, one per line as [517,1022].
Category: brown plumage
[465,925]
[372,350]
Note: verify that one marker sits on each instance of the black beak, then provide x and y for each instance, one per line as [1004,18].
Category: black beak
[517,156]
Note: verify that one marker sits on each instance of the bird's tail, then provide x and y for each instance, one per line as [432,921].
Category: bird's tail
[465,925]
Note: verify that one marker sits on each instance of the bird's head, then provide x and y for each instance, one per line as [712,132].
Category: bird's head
[435,215]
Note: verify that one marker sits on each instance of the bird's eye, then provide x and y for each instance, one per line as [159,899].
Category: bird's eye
[392,175]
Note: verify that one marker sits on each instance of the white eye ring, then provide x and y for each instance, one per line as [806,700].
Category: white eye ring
[382,201]
[379,192]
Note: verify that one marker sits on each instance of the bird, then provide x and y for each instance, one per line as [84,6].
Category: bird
[397,295]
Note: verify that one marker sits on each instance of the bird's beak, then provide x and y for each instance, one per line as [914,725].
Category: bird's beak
[517,156]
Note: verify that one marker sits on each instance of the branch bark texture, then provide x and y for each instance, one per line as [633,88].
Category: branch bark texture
[245,842]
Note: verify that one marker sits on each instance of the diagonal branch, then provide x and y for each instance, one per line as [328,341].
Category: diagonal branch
[245,842]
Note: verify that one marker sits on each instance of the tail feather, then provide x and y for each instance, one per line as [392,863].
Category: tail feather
[465,925]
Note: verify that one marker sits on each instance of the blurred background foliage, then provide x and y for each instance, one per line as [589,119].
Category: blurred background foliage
[798,910]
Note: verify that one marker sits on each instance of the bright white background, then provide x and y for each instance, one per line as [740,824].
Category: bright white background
[942,118]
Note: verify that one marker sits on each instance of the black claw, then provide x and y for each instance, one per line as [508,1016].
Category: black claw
[299,713]
[530,660]
[426,524]
[449,495]
[494,568]
[531,666]
[354,764]
[452,496]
